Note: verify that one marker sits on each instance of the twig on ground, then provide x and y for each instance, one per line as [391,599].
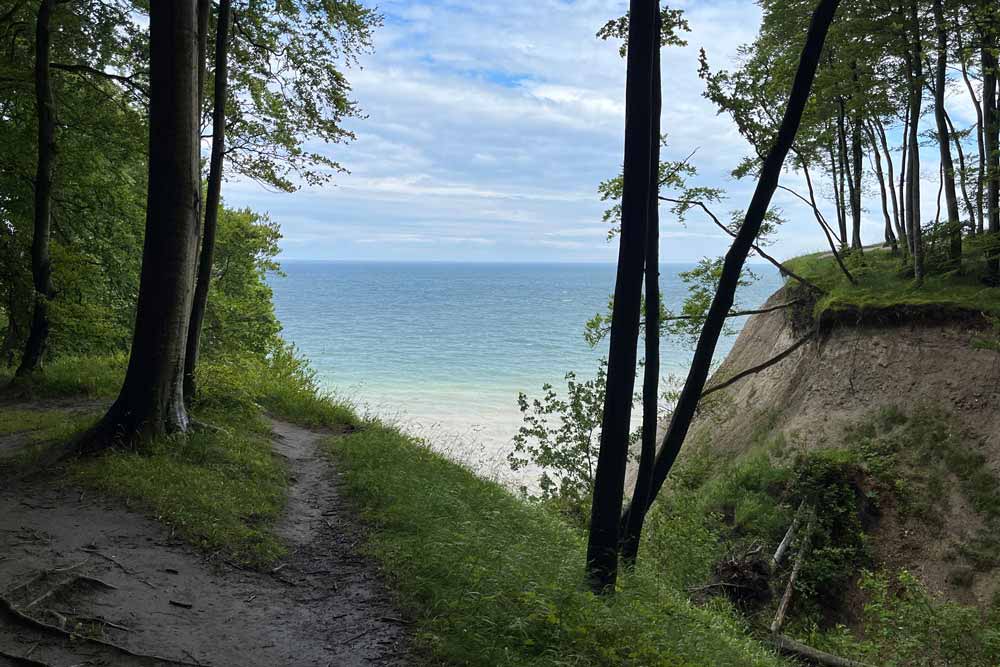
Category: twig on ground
[24,660]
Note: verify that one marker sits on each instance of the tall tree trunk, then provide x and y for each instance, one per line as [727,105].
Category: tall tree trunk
[151,401]
[651,370]
[897,214]
[838,200]
[916,71]
[609,480]
[991,133]
[944,139]
[980,137]
[963,174]
[857,172]
[41,263]
[890,236]
[846,199]
[213,199]
[736,257]
[904,183]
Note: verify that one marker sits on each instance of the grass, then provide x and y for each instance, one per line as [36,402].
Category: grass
[221,490]
[87,377]
[884,283]
[493,580]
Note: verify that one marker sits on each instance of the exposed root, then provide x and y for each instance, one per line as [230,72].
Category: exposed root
[11,614]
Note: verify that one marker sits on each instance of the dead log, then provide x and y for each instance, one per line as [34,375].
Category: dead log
[796,648]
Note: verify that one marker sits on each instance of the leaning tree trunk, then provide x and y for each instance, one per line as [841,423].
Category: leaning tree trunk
[213,199]
[890,236]
[651,370]
[41,263]
[962,173]
[151,401]
[944,139]
[609,480]
[897,216]
[916,72]
[980,136]
[736,257]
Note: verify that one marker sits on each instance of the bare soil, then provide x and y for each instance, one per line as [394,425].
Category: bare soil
[88,564]
[836,381]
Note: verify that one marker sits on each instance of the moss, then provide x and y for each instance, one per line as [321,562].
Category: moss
[885,288]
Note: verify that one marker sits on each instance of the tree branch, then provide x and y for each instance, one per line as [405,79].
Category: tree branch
[86,69]
[781,267]
[760,367]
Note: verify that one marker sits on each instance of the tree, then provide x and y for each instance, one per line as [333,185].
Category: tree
[770,173]
[915,75]
[944,136]
[41,263]
[609,480]
[151,401]
[212,199]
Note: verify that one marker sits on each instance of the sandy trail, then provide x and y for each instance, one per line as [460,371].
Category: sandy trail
[324,604]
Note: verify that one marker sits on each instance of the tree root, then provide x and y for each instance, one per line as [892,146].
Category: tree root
[11,614]
[22,661]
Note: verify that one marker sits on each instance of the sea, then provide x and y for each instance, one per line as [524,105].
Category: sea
[443,349]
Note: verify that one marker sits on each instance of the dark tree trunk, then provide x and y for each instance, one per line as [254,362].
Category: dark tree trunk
[844,169]
[609,481]
[857,172]
[41,263]
[736,257]
[991,137]
[151,401]
[213,199]
[651,371]
[944,139]
[904,185]
[916,71]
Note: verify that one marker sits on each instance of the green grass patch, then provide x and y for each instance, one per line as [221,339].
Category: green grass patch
[221,490]
[493,580]
[85,376]
[885,283]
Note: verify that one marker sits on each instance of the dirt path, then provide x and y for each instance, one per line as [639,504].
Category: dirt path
[323,605]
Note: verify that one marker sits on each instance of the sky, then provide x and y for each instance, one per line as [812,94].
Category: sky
[488,127]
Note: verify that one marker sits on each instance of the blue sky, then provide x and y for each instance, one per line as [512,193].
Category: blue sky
[490,125]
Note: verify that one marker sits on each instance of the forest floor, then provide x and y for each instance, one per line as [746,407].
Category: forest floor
[115,587]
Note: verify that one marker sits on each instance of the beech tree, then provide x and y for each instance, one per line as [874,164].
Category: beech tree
[736,257]
[151,400]
[41,263]
[638,176]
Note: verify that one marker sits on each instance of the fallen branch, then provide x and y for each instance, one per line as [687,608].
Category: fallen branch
[786,599]
[779,553]
[760,367]
[789,645]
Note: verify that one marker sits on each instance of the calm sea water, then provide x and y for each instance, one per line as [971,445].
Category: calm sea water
[444,348]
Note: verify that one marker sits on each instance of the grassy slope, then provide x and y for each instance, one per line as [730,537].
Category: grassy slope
[493,580]
[884,283]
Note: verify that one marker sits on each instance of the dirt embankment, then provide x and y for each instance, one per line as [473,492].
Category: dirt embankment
[852,367]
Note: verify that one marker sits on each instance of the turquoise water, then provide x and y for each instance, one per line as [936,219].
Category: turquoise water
[444,348]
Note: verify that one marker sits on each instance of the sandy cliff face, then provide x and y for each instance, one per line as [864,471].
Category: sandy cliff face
[851,368]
